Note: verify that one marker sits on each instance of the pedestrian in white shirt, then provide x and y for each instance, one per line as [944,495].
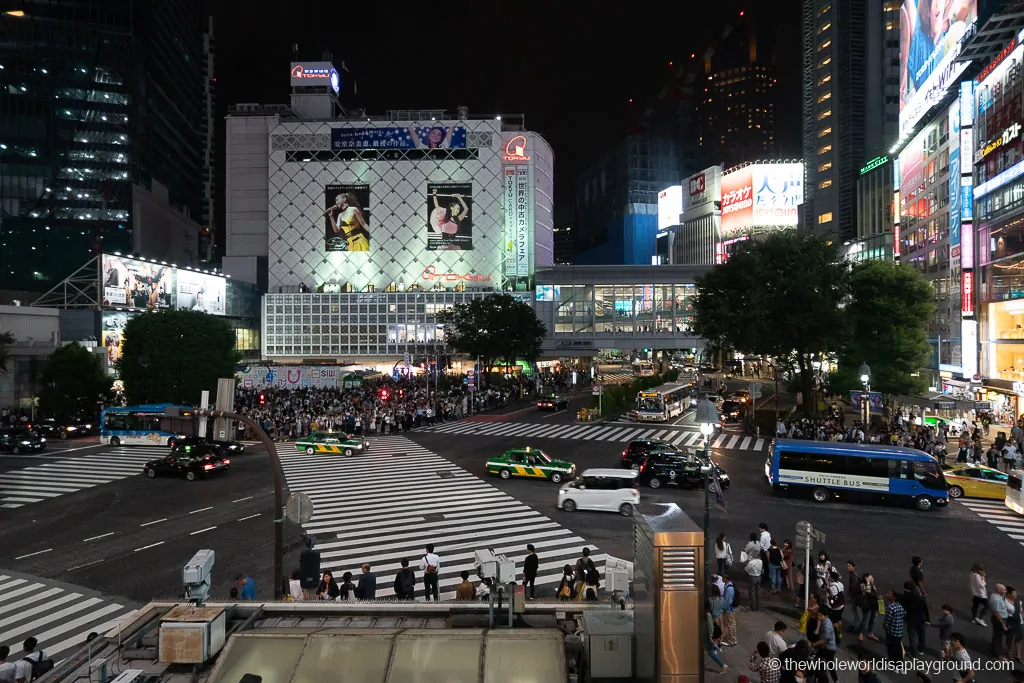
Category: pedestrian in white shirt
[776,641]
[23,668]
[430,565]
[6,668]
[765,541]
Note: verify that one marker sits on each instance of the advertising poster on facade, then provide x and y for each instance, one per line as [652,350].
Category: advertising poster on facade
[522,221]
[290,377]
[112,324]
[670,206]
[912,167]
[778,191]
[397,137]
[930,33]
[508,203]
[702,188]
[954,180]
[737,200]
[133,283]
[450,216]
[200,292]
[347,218]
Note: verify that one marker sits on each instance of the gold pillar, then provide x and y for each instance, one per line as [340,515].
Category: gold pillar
[668,593]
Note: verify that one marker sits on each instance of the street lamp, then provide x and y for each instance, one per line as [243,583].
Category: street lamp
[707,417]
[865,378]
[816,364]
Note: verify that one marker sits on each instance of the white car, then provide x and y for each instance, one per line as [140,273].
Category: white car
[606,490]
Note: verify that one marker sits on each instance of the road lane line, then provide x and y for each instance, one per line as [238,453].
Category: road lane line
[151,545]
[83,566]
[155,521]
[241,499]
[38,552]
[93,538]
[209,528]
[201,510]
[250,517]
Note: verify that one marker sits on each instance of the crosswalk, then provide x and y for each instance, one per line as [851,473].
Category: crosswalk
[59,616]
[617,377]
[54,478]
[679,436]
[995,512]
[389,503]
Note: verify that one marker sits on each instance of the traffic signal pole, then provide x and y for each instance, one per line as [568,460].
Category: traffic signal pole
[275,466]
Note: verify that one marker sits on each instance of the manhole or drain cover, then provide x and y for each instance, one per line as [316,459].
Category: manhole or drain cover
[446,474]
[433,517]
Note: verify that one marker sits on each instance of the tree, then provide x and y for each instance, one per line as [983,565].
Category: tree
[778,296]
[6,339]
[72,382]
[173,356]
[886,321]
[498,326]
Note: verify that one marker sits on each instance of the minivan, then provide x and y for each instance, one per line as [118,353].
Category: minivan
[605,490]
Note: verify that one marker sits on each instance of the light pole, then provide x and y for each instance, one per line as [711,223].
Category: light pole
[816,364]
[707,417]
[865,378]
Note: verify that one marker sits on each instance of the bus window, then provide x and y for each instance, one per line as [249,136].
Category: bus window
[143,422]
[929,474]
[116,421]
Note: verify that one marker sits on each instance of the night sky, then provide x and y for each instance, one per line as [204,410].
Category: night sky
[569,66]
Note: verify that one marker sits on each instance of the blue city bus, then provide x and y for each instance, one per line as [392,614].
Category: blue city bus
[856,472]
[152,424]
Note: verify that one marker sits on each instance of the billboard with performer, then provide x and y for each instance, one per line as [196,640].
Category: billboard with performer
[134,283]
[200,292]
[450,216]
[112,333]
[395,137]
[347,218]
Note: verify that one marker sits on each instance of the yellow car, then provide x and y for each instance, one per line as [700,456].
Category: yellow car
[974,481]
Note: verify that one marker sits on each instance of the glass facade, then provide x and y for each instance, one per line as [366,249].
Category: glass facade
[356,324]
[623,309]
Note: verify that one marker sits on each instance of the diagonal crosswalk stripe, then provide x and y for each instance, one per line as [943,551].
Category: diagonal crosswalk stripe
[996,513]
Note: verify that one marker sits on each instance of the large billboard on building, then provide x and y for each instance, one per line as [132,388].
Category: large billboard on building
[147,285]
[408,137]
[762,196]
[670,205]
[911,166]
[930,34]
[347,218]
[450,216]
[702,189]
[305,74]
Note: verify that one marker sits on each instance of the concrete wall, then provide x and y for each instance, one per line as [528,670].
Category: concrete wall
[36,334]
[160,231]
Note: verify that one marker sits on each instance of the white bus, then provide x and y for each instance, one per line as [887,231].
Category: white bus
[1015,491]
[643,368]
[663,403]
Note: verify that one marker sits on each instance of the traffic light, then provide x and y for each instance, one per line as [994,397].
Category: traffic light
[263,399]
[401,393]
[383,394]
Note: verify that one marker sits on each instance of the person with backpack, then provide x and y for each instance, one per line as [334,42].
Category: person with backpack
[430,565]
[593,581]
[32,664]
[348,589]
[730,600]
[564,591]
[405,582]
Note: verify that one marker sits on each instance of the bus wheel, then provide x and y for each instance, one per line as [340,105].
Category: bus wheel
[114,441]
[925,503]
[820,494]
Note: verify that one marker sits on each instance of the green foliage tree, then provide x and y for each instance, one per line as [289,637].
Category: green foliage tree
[72,382]
[886,321]
[496,327]
[779,296]
[172,356]
[6,339]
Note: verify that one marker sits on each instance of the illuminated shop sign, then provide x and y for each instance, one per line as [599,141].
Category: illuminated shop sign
[873,164]
[515,150]
[967,293]
[314,73]
[995,183]
[1008,136]
[1007,51]
[431,274]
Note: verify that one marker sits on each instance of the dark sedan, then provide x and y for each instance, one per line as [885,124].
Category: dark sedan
[732,411]
[63,429]
[197,461]
[19,440]
[553,402]
[688,471]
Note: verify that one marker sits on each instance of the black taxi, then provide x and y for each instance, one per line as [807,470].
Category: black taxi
[680,468]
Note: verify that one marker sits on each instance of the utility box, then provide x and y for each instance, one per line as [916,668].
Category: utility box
[668,594]
[608,644]
[191,635]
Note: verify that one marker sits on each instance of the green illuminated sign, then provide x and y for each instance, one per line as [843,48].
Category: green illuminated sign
[873,164]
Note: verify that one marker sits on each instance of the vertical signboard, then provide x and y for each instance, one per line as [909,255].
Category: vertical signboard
[509,199]
[967,293]
[966,181]
[737,200]
[522,220]
[969,343]
[954,180]
[670,205]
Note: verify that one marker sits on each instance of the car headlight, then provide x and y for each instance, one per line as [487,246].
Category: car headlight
[71,429]
[26,443]
[88,426]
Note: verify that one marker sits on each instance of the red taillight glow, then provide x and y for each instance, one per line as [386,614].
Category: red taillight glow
[207,467]
[635,492]
[226,461]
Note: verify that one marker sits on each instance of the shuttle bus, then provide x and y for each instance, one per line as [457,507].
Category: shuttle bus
[153,424]
[643,368]
[1015,491]
[663,403]
[856,472]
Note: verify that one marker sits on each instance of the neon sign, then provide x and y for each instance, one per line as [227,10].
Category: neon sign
[307,71]
[515,150]
[430,274]
[873,164]
[967,293]
[998,59]
[1008,136]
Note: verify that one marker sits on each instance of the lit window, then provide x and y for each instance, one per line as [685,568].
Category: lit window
[824,131]
[827,95]
[825,217]
[824,9]
[825,183]
[825,79]
[825,166]
[825,62]
[825,149]
[824,27]
[825,114]
[822,46]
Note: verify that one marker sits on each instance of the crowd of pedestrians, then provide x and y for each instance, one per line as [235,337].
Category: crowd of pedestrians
[848,602]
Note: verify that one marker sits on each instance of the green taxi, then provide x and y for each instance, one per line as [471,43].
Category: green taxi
[532,463]
[332,442]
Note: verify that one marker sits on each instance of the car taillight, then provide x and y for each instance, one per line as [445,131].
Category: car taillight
[643,467]
[635,492]
[624,453]
[226,461]
[207,467]
[540,405]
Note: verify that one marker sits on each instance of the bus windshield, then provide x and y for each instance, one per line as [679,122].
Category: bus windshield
[649,403]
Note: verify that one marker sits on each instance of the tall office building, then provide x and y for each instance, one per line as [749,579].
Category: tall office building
[850,103]
[736,111]
[100,144]
[209,130]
